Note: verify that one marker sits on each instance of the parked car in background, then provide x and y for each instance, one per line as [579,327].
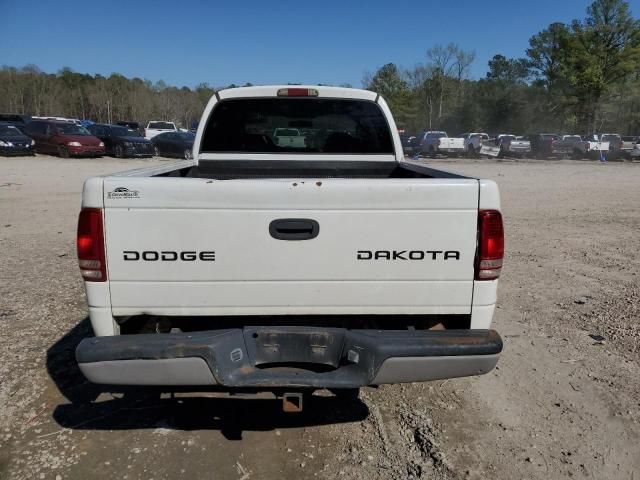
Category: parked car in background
[121,141]
[76,121]
[13,141]
[511,145]
[543,145]
[289,137]
[473,142]
[174,144]
[618,146]
[157,127]
[434,143]
[506,145]
[407,141]
[64,139]
[593,147]
[131,125]
[568,145]
[15,119]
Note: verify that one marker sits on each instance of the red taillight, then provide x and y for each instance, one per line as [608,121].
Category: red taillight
[90,244]
[297,92]
[490,245]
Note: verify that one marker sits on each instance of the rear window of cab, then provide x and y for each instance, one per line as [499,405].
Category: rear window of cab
[318,125]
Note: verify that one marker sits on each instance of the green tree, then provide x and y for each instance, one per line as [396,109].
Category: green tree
[605,50]
[508,70]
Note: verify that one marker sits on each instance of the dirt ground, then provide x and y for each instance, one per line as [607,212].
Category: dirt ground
[561,404]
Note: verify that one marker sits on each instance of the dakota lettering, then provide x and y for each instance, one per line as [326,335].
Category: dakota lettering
[408,255]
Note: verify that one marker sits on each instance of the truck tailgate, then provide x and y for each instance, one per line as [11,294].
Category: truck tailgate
[452,144]
[382,246]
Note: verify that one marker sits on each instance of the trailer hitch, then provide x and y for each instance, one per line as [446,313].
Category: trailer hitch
[292,402]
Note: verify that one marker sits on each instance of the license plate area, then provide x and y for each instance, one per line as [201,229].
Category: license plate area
[291,346]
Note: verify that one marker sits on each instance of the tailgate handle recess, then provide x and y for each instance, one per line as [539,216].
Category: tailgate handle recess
[294,229]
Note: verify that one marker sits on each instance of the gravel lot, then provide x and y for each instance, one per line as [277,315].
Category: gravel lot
[560,405]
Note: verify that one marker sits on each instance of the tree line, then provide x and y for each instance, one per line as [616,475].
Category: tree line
[581,77]
[30,91]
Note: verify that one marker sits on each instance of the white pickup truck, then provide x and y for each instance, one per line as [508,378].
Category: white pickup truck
[157,127]
[592,146]
[473,143]
[288,269]
[289,137]
[439,143]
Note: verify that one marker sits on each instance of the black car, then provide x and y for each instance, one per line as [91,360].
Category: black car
[121,141]
[14,142]
[174,144]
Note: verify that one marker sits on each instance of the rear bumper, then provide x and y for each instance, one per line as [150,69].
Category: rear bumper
[271,357]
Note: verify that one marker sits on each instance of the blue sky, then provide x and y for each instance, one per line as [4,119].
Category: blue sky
[185,42]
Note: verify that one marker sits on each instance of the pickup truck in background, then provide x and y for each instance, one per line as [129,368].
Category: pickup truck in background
[634,142]
[157,127]
[510,145]
[592,147]
[569,145]
[289,268]
[434,143]
[506,145]
[289,137]
[618,146]
[543,145]
[473,143]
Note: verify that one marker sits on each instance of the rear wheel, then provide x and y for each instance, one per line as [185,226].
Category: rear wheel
[118,151]
[187,154]
[63,151]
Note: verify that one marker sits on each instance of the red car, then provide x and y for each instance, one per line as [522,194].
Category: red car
[65,139]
